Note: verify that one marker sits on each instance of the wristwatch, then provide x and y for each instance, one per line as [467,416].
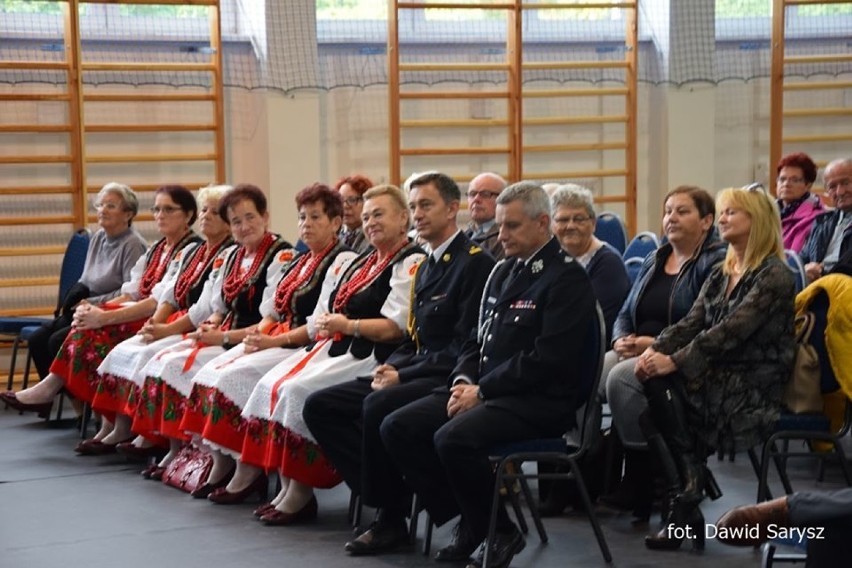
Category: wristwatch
[479,394]
[226,340]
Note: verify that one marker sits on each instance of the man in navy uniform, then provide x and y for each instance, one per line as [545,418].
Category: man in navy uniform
[345,418]
[482,192]
[517,379]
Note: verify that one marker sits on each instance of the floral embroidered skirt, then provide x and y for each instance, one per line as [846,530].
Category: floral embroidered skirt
[220,391]
[276,435]
[81,354]
[166,387]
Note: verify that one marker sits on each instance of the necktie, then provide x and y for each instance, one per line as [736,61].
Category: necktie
[516,270]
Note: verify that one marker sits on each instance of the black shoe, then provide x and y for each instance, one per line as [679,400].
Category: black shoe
[460,548]
[382,536]
[501,552]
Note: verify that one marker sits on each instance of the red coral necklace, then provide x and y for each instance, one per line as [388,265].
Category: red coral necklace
[296,277]
[236,279]
[362,277]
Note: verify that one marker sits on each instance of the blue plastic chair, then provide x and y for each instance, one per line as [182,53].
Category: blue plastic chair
[642,244]
[610,229]
[23,327]
[567,450]
[633,267]
[798,269]
[806,427]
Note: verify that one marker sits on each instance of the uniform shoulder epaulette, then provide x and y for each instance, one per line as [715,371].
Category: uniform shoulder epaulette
[474,250]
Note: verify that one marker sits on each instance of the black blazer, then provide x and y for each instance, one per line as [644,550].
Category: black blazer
[444,311]
[531,338]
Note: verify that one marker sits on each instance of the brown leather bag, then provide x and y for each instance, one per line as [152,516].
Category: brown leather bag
[804,394]
[189,470]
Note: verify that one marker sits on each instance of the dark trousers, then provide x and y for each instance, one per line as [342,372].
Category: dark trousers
[345,421]
[828,510]
[45,342]
[446,461]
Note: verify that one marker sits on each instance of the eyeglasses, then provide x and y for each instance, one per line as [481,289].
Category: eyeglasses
[793,179]
[483,194]
[108,206]
[353,201]
[754,188]
[834,185]
[167,210]
[576,219]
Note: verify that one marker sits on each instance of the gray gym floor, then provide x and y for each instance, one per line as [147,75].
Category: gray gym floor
[58,508]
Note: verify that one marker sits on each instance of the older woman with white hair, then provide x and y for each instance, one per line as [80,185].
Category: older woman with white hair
[574,225]
[113,250]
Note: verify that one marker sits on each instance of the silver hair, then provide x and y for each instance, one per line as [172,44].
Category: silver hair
[573,196]
[212,191]
[127,195]
[531,194]
[484,176]
[836,163]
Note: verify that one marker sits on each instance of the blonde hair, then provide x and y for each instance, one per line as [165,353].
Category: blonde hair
[394,193]
[764,238]
[212,191]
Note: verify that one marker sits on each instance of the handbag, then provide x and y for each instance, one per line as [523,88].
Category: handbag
[189,470]
[804,394]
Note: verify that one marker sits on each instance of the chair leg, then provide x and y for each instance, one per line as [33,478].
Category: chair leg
[590,511]
[516,507]
[415,515]
[542,534]
[427,541]
[500,481]
[12,363]
[755,465]
[84,423]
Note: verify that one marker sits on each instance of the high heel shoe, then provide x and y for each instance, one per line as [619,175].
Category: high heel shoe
[205,490]
[679,526]
[222,496]
[280,518]
[11,399]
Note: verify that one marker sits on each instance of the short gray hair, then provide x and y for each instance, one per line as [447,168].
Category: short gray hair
[836,163]
[127,196]
[531,194]
[212,191]
[573,196]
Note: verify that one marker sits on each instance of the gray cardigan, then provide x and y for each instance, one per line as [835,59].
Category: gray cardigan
[108,263]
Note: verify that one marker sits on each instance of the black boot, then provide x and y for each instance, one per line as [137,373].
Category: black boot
[669,436]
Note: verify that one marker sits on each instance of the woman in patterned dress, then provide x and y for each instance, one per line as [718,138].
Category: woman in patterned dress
[237,292]
[97,329]
[222,387]
[714,380]
[355,328]
[184,305]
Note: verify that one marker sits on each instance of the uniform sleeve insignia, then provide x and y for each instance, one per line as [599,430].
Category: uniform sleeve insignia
[413,269]
[446,257]
[474,249]
[537,266]
[285,256]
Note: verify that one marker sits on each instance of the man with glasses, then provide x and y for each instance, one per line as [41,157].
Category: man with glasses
[831,235]
[482,192]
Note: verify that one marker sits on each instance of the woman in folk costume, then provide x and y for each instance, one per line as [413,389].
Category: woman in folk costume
[355,328]
[97,329]
[236,296]
[183,306]
[222,387]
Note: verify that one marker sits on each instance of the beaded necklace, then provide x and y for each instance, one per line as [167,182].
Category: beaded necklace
[362,277]
[235,282]
[296,278]
[190,276]
[154,270]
